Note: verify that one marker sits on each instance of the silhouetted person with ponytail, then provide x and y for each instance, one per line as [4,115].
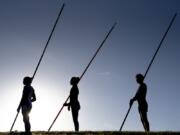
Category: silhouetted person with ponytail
[25,105]
[74,103]
[141,99]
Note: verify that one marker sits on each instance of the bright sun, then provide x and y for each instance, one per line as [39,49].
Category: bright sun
[44,110]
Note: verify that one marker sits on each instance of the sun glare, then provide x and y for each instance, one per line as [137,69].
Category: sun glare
[44,110]
[49,101]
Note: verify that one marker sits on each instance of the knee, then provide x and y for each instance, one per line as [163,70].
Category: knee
[25,118]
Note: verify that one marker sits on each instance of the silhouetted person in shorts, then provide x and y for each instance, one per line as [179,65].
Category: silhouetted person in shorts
[74,103]
[141,99]
[28,97]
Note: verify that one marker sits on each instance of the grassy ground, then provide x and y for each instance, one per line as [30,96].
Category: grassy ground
[93,133]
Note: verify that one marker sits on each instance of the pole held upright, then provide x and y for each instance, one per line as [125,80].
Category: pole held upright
[84,71]
[42,56]
[150,64]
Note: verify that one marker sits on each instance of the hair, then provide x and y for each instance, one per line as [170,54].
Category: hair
[27,80]
[74,80]
[140,76]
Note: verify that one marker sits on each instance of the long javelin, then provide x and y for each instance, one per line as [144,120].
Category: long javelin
[160,44]
[84,72]
[47,43]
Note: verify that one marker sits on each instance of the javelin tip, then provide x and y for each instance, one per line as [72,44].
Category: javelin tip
[175,14]
[114,24]
[63,4]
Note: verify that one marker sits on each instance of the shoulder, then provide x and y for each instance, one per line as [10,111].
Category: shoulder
[143,86]
[30,88]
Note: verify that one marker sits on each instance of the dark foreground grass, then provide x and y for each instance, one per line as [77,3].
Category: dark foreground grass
[93,133]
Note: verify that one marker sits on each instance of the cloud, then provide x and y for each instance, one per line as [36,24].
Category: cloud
[104,73]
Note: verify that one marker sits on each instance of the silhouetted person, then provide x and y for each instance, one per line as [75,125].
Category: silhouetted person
[74,103]
[28,97]
[141,99]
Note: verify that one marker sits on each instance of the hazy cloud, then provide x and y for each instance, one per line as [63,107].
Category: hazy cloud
[104,73]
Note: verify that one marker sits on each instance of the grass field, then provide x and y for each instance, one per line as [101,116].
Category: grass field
[93,133]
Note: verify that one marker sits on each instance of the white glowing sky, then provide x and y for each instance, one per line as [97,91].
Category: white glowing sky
[108,85]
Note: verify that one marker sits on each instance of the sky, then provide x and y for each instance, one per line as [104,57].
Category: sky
[109,83]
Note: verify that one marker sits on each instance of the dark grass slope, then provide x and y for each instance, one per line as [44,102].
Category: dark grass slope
[92,133]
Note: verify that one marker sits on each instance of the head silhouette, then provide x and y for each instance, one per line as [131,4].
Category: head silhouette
[27,80]
[139,78]
[74,80]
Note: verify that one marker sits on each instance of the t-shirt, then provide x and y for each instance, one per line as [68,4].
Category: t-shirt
[28,94]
